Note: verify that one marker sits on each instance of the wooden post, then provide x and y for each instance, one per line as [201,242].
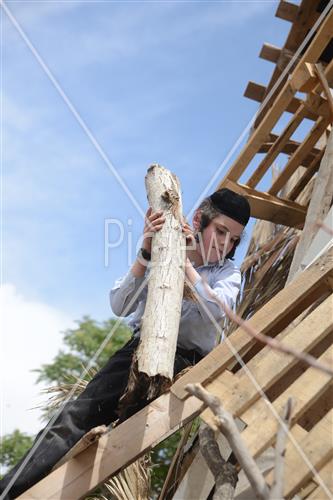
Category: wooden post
[319,206]
[153,363]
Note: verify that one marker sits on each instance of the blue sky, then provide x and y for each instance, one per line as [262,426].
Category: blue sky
[154,82]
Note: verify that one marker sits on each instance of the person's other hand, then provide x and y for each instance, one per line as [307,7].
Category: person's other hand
[153,222]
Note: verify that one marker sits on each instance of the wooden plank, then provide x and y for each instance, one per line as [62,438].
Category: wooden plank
[271,319]
[287,11]
[305,78]
[277,147]
[317,446]
[309,333]
[92,466]
[289,149]
[270,52]
[325,85]
[305,391]
[270,208]
[256,92]
[306,177]
[327,477]
[87,440]
[319,206]
[315,105]
[260,134]
[296,160]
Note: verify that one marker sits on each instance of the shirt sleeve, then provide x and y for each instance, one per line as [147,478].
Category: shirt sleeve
[226,288]
[125,295]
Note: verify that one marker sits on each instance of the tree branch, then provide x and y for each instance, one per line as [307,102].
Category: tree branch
[228,427]
[225,474]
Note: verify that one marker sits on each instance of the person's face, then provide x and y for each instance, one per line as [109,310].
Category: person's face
[219,237]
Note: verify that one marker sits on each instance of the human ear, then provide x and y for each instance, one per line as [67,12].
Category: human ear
[197,220]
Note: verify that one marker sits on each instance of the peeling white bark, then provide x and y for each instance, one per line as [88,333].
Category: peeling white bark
[160,324]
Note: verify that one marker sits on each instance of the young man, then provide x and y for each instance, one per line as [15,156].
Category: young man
[218,225]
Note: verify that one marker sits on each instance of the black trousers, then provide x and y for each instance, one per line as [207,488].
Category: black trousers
[96,405]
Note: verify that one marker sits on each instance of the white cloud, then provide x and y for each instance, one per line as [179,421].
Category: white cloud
[30,336]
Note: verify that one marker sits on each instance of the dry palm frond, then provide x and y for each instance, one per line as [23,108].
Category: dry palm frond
[60,392]
[132,483]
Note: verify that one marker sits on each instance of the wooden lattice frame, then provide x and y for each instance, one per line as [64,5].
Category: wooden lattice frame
[308,78]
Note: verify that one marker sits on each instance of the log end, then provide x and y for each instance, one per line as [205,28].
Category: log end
[140,391]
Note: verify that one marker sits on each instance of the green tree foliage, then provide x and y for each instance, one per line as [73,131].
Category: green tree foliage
[12,447]
[81,343]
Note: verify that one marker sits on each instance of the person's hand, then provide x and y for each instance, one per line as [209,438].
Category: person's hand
[153,223]
[188,231]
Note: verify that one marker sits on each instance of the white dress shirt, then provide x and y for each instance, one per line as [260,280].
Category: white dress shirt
[196,329]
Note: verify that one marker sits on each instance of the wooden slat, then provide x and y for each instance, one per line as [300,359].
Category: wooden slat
[287,11]
[305,391]
[87,440]
[256,92]
[327,477]
[281,102]
[270,52]
[316,446]
[272,318]
[270,208]
[309,333]
[289,149]
[277,147]
[296,160]
[306,177]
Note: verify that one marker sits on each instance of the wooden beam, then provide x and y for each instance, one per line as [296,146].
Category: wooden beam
[287,11]
[305,391]
[289,149]
[315,105]
[326,476]
[325,84]
[317,326]
[306,177]
[277,147]
[271,319]
[305,78]
[256,92]
[87,440]
[270,208]
[304,149]
[270,52]
[317,445]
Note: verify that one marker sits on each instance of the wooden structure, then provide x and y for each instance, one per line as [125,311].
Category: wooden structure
[313,75]
[278,376]
[300,314]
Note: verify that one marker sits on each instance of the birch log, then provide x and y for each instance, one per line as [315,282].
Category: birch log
[153,364]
